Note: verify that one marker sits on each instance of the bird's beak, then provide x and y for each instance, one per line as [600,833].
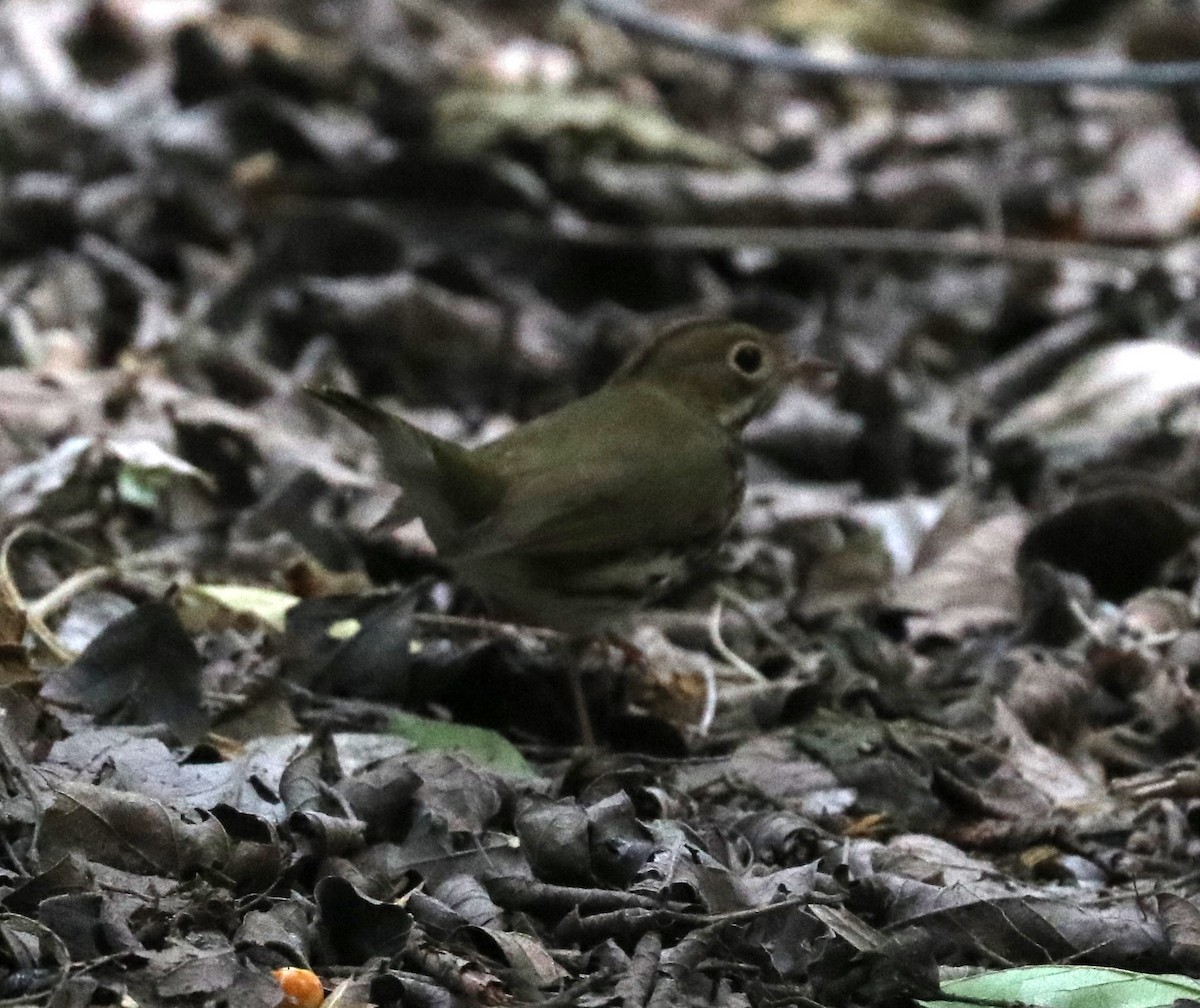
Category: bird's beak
[812,372]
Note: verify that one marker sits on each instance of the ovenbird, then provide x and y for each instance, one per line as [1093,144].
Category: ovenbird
[585,514]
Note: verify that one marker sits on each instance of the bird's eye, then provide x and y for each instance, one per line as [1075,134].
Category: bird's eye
[747,357]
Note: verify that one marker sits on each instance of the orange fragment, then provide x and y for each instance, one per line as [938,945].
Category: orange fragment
[301,988]
[866,826]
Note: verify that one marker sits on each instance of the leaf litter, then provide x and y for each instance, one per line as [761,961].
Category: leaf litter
[932,708]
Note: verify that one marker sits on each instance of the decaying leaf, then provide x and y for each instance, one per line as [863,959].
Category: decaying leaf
[1117,390]
[471,123]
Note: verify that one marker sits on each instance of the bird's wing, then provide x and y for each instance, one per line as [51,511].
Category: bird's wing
[442,482]
[601,476]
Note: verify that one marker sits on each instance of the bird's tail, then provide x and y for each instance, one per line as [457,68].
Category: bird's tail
[442,484]
[405,451]
[367,416]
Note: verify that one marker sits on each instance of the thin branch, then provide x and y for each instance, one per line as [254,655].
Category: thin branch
[749,51]
[957,244]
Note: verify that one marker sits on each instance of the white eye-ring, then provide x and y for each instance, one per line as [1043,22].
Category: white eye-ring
[747,358]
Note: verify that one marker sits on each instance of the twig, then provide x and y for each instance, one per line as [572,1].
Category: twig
[572,994]
[764,629]
[726,652]
[739,916]
[11,595]
[66,590]
[957,244]
[750,51]
[113,259]
[493,628]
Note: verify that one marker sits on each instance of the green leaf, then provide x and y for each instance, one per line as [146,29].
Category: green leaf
[481,744]
[133,489]
[1070,987]
[145,470]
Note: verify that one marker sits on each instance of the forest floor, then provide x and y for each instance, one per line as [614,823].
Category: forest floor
[933,710]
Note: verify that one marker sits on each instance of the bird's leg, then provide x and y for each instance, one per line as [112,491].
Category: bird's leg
[583,719]
[630,654]
[524,635]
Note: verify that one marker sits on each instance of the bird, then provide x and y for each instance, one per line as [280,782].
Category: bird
[583,516]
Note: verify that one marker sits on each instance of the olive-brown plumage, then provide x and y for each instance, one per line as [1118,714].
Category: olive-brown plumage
[585,514]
